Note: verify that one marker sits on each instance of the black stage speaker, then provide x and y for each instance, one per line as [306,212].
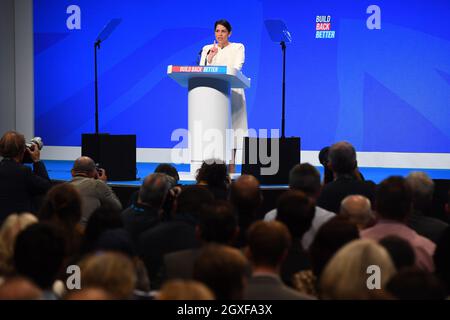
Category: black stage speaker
[261,156]
[114,153]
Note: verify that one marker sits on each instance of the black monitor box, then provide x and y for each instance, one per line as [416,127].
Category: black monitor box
[114,153]
[270,159]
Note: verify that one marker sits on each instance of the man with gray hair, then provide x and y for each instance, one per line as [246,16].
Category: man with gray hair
[357,210]
[91,184]
[422,189]
[145,211]
[347,180]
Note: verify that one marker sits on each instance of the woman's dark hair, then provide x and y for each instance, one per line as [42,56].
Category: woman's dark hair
[224,23]
[168,169]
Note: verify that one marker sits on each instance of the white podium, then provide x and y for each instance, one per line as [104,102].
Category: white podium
[208,108]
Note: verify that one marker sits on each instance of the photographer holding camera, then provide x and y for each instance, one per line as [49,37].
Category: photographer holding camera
[19,185]
[90,181]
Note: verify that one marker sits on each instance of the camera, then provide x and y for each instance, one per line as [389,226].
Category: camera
[36,142]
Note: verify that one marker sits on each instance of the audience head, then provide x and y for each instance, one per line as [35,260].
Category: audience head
[62,206]
[415,284]
[9,230]
[116,240]
[84,166]
[393,199]
[154,189]
[39,253]
[213,173]
[323,159]
[346,274]
[19,288]
[101,220]
[442,259]
[422,188]
[245,194]
[447,205]
[332,235]
[218,223]
[357,209]
[342,158]
[168,169]
[223,269]
[192,199]
[91,293]
[224,23]
[401,252]
[305,177]
[296,210]
[184,290]
[12,145]
[268,243]
[113,272]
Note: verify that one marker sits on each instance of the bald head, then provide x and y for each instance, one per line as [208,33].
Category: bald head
[83,165]
[357,210]
[342,158]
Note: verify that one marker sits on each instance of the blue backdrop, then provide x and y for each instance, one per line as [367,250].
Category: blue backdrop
[384,90]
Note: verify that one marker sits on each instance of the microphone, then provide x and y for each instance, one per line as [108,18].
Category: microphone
[206,58]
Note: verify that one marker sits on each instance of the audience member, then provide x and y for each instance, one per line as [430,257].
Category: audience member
[296,211]
[422,189]
[342,161]
[111,271]
[11,227]
[441,259]
[213,174]
[146,211]
[357,209]
[305,177]
[38,255]
[19,288]
[184,290]
[62,208]
[217,224]
[268,246]
[332,236]
[415,284]
[246,197]
[91,183]
[401,252]
[19,185]
[223,269]
[177,234]
[393,205]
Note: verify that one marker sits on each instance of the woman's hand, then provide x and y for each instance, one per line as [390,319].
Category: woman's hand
[212,52]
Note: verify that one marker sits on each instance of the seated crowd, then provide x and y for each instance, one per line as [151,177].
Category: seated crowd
[337,238]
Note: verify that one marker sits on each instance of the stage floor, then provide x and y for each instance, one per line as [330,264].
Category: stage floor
[60,170]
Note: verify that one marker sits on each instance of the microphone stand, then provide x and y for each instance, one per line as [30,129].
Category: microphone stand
[283,103]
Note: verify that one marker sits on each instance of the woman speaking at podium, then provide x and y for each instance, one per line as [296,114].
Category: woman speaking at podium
[225,53]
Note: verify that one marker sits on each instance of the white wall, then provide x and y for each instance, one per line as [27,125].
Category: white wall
[16,67]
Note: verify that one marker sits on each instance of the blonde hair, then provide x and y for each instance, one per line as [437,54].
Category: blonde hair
[11,227]
[346,274]
[185,290]
[113,272]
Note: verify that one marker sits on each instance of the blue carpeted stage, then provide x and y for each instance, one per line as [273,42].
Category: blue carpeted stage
[60,170]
